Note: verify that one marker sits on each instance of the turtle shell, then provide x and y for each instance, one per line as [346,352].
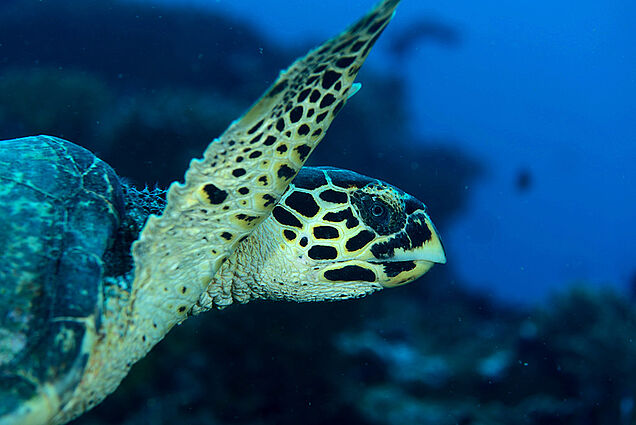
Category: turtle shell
[60,208]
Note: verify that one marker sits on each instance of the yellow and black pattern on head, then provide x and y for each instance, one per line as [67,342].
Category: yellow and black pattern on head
[349,227]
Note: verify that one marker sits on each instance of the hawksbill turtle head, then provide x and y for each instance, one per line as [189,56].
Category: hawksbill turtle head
[336,234]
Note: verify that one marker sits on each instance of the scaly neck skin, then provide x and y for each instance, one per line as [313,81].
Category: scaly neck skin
[240,279]
[264,267]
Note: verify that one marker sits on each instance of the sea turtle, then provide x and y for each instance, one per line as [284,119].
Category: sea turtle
[80,303]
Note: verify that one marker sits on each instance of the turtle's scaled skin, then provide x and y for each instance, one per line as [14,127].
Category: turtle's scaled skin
[61,207]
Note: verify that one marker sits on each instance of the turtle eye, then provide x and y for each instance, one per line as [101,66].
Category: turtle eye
[378,214]
[378,210]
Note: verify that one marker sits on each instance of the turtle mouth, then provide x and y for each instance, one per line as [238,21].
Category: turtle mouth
[430,251]
[398,273]
[405,266]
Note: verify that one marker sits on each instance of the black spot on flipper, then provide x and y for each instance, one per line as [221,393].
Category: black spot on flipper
[303,241]
[360,240]
[246,218]
[357,46]
[256,127]
[322,252]
[345,62]
[268,200]
[285,172]
[214,194]
[320,117]
[303,203]
[350,274]
[290,235]
[329,78]
[303,151]
[353,70]
[238,172]
[256,138]
[243,191]
[303,95]
[286,218]
[338,107]
[270,140]
[327,100]
[255,154]
[303,130]
[226,235]
[312,80]
[315,95]
[296,114]
[376,26]
[282,148]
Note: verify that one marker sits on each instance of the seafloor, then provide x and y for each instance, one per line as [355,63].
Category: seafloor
[428,353]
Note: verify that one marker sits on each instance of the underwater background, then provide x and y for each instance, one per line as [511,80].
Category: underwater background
[514,123]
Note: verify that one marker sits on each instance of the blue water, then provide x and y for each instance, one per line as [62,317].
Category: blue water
[538,87]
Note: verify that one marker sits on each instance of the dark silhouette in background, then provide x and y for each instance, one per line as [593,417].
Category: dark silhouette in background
[424,30]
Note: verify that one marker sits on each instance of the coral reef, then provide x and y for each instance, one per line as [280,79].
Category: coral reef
[570,362]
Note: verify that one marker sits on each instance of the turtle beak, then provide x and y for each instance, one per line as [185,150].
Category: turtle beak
[433,249]
[425,238]
[407,265]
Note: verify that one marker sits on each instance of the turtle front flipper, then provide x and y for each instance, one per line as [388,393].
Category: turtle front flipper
[242,176]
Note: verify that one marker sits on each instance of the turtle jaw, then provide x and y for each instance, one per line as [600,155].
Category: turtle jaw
[407,266]
[412,264]
[405,263]
[407,272]
[431,250]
